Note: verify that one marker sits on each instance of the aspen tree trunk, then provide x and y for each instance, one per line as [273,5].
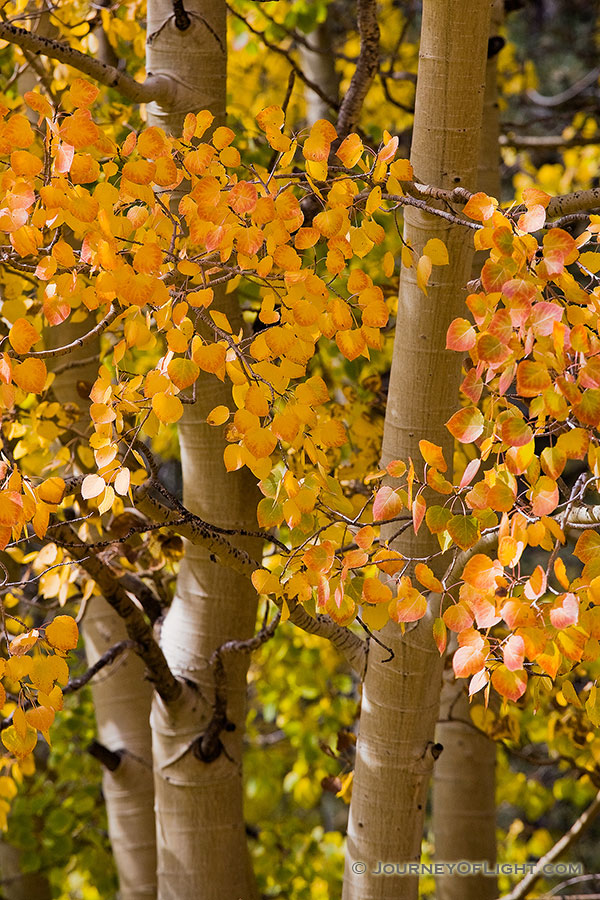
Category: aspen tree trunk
[121,694]
[400,705]
[319,65]
[201,840]
[464,777]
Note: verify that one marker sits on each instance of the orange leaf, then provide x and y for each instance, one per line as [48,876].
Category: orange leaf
[466,425]
[23,336]
[387,504]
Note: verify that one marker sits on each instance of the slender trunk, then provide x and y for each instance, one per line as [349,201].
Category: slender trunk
[121,695]
[464,778]
[202,850]
[319,65]
[395,749]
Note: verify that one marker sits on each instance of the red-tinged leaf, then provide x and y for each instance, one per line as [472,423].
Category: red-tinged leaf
[534,196]
[544,316]
[472,386]
[544,496]
[481,572]
[424,574]
[514,653]
[553,461]
[515,431]
[350,150]
[461,336]
[365,537]
[478,682]
[354,559]
[260,442]
[374,591]
[587,409]
[243,197]
[56,309]
[82,92]
[496,273]
[458,617]
[565,611]
[319,557]
[511,685]
[433,455]
[470,472]
[351,343]
[419,508]
[464,531]
[440,635]
[396,468]
[468,660]
[533,378]
[536,584]
[183,372]
[466,425]
[408,609]
[533,219]
[480,207]
[560,250]
[387,504]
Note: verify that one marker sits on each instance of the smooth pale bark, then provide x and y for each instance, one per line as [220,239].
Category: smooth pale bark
[202,850]
[395,750]
[319,66]
[121,694]
[464,777]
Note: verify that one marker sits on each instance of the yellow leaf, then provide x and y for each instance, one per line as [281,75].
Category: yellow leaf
[19,746]
[437,252]
[423,272]
[93,486]
[218,415]
[62,633]
[167,407]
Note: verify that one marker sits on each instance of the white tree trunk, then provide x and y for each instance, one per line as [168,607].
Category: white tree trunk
[400,705]
[202,850]
[464,777]
[121,695]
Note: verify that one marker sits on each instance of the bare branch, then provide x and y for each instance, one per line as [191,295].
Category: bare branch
[155,87]
[582,84]
[80,342]
[352,648]
[75,684]
[366,68]
[276,49]
[567,840]
[139,631]
[543,141]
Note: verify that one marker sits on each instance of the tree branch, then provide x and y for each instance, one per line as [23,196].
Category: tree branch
[111,315]
[352,648]
[155,87]
[75,684]
[139,631]
[366,68]
[567,840]
[307,81]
